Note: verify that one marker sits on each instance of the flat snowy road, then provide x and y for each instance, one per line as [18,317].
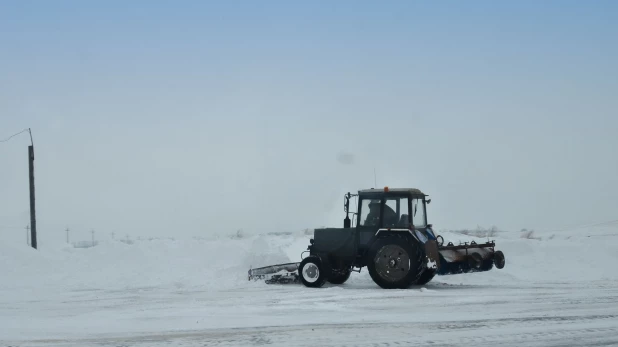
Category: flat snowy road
[537,315]
[547,295]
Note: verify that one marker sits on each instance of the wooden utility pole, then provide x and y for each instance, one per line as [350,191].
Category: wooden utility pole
[92,231]
[27,234]
[32,205]
[67,230]
[31,179]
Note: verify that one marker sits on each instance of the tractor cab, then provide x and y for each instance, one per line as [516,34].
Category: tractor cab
[399,208]
[391,208]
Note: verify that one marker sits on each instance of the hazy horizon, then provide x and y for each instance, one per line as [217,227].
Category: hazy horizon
[185,119]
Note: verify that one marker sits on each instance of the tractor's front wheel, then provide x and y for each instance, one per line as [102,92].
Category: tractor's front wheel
[395,261]
[311,272]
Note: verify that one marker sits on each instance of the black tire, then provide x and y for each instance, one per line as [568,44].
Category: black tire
[475,261]
[488,264]
[395,262]
[499,259]
[340,276]
[311,272]
[425,277]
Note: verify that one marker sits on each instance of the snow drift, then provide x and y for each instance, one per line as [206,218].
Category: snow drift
[221,263]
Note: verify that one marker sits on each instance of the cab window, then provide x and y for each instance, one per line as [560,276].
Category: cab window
[370,212]
[396,213]
[418,213]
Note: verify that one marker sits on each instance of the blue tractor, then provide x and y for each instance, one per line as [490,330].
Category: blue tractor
[390,235]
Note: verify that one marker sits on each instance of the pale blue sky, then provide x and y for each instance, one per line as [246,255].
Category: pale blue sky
[188,117]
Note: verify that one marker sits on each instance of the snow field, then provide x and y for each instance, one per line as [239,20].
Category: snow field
[557,287]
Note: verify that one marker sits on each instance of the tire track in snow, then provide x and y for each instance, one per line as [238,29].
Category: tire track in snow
[597,330]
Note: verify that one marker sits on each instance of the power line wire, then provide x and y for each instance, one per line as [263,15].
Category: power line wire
[12,136]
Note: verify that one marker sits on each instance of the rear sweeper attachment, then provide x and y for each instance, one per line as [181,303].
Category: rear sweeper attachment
[391,238]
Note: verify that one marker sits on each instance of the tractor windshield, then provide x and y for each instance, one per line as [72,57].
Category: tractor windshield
[418,213]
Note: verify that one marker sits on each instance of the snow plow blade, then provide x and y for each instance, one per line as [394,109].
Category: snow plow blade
[280,273]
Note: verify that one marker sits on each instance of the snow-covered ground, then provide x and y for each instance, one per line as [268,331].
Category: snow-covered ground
[557,289]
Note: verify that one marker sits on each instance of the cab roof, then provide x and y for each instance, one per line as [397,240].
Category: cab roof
[395,191]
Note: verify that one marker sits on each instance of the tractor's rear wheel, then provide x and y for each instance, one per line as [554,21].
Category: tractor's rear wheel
[425,277]
[394,261]
[339,276]
[311,272]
